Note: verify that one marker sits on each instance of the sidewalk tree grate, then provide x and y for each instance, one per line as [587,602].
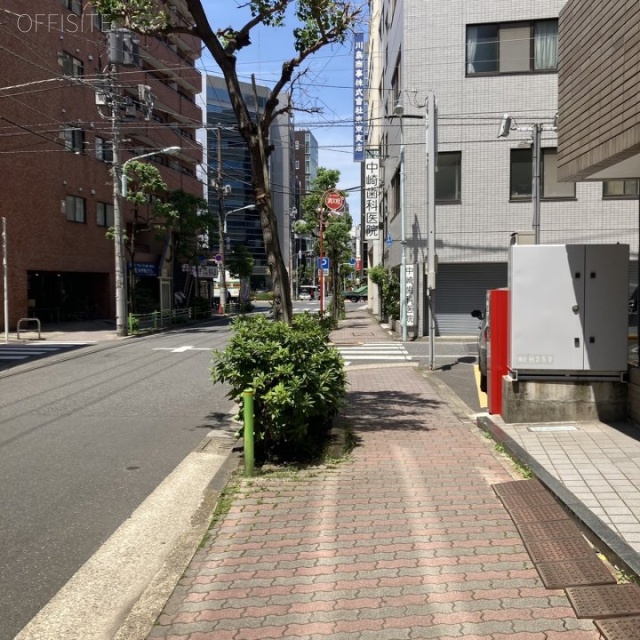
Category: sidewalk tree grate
[518,487]
[619,628]
[608,601]
[575,573]
[533,499]
[559,550]
[539,514]
[552,529]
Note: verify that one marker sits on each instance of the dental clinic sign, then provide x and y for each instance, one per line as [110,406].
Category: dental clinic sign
[371,196]
[359,106]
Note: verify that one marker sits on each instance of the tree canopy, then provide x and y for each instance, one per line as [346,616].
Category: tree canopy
[317,23]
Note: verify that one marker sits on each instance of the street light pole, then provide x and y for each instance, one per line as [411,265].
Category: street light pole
[5,280]
[222,267]
[120,190]
[321,269]
[399,111]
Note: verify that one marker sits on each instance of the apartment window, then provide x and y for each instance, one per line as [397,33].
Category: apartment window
[73,5]
[395,188]
[396,82]
[73,138]
[104,150]
[104,214]
[297,164]
[75,209]
[522,176]
[448,176]
[620,189]
[307,143]
[71,66]
[514,47]
[297,145]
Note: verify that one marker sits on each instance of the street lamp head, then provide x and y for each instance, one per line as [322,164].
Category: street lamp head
[506,124]
[171,151]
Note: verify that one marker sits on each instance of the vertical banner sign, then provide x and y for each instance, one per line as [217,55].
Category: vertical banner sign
[359,106]
[371,195]
[410,272]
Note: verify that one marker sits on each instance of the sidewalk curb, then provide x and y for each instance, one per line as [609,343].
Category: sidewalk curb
[149,605]
[619,552]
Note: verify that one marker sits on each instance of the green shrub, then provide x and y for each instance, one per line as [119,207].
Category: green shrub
[298,379]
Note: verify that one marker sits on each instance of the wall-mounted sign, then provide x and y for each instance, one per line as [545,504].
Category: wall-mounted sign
[371,196]
[359,104]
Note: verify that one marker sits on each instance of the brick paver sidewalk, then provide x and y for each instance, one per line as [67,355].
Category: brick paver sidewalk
[403,540]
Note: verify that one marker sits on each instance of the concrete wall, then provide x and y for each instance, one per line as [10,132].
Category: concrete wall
[559,401]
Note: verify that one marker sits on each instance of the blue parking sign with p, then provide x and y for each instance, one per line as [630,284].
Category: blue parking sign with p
[323,263]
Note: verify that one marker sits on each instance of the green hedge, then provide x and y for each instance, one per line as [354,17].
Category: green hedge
[298,379]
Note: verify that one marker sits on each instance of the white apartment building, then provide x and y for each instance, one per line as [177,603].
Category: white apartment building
[482,60]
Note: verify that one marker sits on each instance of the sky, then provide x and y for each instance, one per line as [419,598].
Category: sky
[328,85]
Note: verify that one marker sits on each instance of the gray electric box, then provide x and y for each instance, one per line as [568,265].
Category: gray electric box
[568,308]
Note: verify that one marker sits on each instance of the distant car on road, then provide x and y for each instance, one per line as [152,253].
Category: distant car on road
[357,295]
[304,295]
[483,335]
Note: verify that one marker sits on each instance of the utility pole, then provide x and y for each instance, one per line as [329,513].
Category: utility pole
[222,225]
[432,123]
[118,232]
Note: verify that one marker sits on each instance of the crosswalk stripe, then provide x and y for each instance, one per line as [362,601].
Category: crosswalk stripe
[376,351]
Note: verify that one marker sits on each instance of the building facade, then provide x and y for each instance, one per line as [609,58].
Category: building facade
[244,227]
[480,63]
[56,153]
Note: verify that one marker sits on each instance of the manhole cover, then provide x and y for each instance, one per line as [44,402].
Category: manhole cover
[619,628]
[533,499]
[575,573]
[553,529]
[607,601]
[559,550]
[538,514]
[518,486]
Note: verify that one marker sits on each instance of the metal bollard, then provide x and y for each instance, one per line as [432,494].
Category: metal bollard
[247,397]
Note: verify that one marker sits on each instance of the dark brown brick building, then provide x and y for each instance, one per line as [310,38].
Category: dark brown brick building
[55,153]
[598,93]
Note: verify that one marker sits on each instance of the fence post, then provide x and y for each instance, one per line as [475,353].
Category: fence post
[247,397]
[155,319]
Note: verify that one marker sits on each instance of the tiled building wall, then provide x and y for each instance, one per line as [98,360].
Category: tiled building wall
[470,109]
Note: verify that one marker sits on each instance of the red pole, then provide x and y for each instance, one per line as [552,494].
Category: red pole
[321,269]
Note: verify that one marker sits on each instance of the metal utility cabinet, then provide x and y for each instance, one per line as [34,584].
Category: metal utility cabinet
[568,310]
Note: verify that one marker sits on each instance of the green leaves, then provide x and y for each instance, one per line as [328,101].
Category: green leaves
[298,379]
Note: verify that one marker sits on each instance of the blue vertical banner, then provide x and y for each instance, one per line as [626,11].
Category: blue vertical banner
[359,104]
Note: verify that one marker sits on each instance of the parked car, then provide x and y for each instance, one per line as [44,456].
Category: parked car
[483,336]
[304,295]
[357,295]
[633,301]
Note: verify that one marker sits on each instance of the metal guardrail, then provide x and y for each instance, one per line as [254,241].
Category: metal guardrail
[158,319]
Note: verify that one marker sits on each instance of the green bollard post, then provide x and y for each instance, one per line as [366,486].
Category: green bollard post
[247,397]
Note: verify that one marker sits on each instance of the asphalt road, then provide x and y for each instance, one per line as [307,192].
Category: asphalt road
[83,442]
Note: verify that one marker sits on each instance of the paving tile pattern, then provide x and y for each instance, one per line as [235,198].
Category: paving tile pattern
[404,540]
[598,463]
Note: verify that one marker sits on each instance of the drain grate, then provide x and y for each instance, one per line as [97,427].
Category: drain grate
[576,573]
[607,601]
[559,550]
[619,628]
[538,514]
[533,499]
[518,487]
[553,529]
